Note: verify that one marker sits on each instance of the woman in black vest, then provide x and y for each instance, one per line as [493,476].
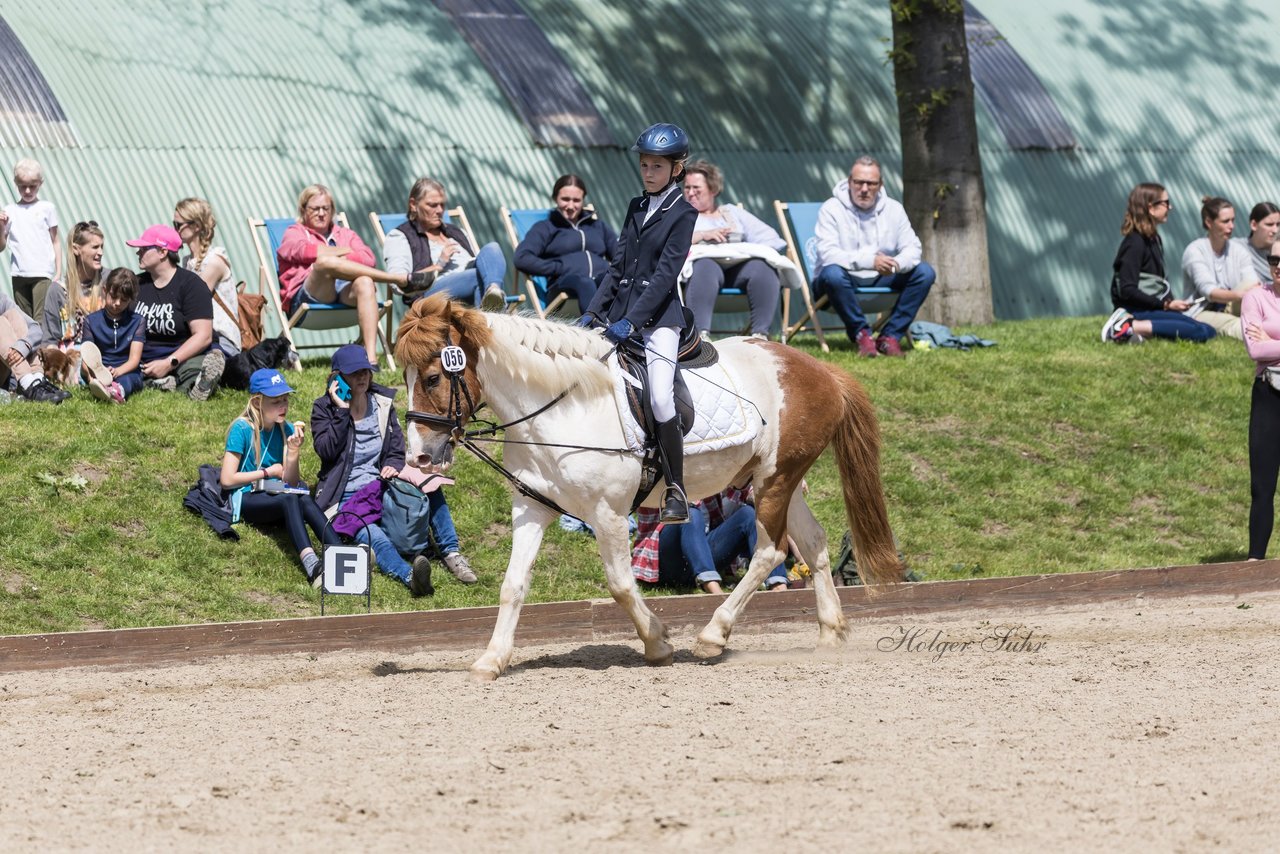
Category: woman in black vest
[443,254]
[639,296]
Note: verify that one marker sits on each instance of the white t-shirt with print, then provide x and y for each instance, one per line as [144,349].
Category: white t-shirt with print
[29,242]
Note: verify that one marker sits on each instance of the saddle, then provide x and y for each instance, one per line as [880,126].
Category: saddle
[693,353]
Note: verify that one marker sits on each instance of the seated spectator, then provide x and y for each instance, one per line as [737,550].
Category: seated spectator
[195,223]
[728,224]
[571,248]
[179,314]
[29,227]
[68,304]
[1218,269]
[359,440]
[1264,225]
[865,240]
[1260,314]
[113,339]
[19,338]
[1143,300]
[439,255]
[321,262]
[721,529]
[263,446]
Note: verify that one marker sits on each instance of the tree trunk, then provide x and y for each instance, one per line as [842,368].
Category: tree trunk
[941,166]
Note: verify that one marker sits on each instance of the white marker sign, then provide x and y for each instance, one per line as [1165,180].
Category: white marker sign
[346,569]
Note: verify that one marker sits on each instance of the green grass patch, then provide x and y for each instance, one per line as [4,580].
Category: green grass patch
[1048,453]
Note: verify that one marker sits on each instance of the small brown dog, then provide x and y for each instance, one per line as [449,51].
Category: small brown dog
[59,367]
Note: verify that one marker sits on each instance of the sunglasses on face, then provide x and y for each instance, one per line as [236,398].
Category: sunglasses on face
[178,224]
[1168,204]
[867,184]
[1273,260]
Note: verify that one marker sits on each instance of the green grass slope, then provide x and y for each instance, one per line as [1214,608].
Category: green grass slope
[1047,453]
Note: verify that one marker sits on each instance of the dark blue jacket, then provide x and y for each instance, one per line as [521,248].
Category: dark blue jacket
[335,441]
[556,247]
[641,283]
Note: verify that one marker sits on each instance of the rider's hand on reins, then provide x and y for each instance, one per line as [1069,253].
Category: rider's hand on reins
[620,331]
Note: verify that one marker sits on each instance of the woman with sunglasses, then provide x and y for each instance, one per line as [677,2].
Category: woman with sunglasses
[1140,292]
[1260,316]
[195,223]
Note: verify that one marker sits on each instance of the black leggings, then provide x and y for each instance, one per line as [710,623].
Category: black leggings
[265,510]
[1264,465]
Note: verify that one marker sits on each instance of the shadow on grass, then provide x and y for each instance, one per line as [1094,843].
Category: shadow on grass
[1225,556]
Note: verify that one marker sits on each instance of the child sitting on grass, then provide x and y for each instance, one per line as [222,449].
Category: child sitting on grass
[261,444]
[112,340]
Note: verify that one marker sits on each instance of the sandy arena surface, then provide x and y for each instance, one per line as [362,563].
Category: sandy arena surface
[1149,727]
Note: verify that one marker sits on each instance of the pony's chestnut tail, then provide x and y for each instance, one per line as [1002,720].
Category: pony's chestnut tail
[857,452]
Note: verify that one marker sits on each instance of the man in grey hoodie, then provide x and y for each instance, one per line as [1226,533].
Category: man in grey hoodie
[864,240]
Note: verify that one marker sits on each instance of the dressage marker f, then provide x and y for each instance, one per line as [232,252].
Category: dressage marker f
[347,573]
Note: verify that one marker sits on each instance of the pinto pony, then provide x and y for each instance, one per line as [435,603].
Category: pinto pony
[518,365]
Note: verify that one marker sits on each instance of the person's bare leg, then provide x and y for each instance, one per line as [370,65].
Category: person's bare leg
[341,268]
[1142,327]
[363,294]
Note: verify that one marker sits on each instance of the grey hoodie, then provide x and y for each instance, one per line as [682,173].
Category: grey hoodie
[850,237]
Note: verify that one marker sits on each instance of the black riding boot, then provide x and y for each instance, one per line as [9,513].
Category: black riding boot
[675,506]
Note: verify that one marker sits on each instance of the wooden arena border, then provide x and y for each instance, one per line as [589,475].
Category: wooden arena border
[594,620]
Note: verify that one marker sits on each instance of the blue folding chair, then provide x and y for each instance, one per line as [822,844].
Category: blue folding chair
[798,222]
[518,224]
[384,223]
[307,316]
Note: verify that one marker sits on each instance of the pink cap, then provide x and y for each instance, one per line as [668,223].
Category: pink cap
[163,236]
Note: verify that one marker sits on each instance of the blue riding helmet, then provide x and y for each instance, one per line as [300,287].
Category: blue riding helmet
[663,140]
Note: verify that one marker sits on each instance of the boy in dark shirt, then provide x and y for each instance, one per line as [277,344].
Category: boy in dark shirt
[112,340]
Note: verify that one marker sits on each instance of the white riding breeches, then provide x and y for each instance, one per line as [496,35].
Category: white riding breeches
[661,347]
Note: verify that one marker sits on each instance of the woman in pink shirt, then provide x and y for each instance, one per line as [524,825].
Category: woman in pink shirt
[1260,315]
[319,261]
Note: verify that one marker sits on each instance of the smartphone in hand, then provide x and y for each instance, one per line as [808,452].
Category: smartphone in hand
[344,390]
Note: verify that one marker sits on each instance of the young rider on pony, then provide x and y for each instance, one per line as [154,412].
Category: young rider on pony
[639,296]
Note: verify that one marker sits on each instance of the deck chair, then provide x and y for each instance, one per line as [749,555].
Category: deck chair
[308,316]
[518,224]
[385,222]
[798,222]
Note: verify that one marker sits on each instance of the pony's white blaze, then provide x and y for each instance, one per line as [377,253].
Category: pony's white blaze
[521,363]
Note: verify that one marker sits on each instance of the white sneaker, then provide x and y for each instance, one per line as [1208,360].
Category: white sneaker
[494,299]
[1118,328]
[91,358]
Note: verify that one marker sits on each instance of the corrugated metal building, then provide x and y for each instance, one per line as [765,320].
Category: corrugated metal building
[244,103]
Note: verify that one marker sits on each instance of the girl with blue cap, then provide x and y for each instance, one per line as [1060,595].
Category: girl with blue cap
[262,445]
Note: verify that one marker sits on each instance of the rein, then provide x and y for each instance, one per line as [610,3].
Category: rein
[455,361]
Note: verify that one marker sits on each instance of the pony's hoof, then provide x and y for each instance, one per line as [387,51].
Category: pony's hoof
[481,673]
[833,638]
[664,658]
[707,649]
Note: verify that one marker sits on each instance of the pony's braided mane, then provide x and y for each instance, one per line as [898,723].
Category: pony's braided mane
[547,355]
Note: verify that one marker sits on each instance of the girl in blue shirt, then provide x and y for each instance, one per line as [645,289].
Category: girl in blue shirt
[261,444]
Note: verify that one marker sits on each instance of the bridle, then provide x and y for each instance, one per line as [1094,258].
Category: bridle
[454,361]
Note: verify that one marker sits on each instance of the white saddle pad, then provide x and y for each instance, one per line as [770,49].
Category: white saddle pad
[721,418]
